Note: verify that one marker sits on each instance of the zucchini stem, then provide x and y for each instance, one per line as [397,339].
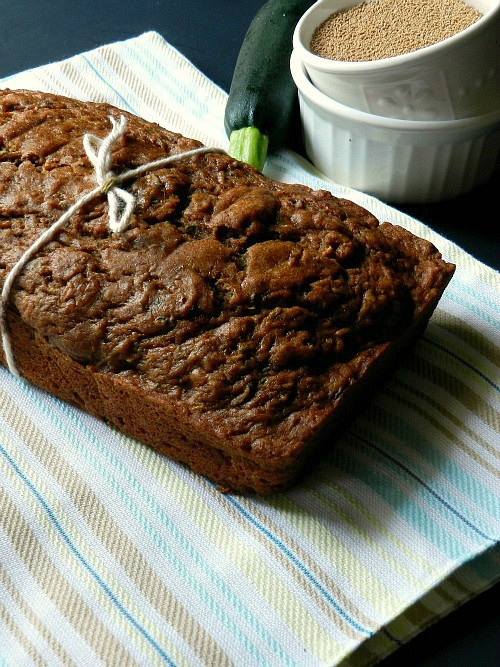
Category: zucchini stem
[249,145]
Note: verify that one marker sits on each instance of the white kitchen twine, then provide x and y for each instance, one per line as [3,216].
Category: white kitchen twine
[121,206]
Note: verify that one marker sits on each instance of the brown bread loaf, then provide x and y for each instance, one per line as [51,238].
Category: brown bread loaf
[232,326]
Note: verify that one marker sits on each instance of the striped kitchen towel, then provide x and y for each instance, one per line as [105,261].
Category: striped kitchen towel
[112,555]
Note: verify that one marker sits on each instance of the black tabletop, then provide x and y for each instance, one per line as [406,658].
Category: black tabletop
[209,33]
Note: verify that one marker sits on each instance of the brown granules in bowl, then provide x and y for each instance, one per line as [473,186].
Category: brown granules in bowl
[385,28]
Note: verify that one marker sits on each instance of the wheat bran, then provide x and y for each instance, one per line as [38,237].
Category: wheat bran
[385,28]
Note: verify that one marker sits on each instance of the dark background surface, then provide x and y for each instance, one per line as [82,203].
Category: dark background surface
[209,33]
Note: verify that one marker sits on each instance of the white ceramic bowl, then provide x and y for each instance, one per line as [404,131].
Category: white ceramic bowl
[393,159]
[455,78]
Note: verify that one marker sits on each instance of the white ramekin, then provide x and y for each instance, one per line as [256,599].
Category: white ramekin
[454,78]
[393,159]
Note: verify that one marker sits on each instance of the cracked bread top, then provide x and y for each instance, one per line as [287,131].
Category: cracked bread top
[247,299]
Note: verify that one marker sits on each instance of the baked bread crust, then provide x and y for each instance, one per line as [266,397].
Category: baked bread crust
[232,326]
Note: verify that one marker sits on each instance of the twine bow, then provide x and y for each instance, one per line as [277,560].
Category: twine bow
[121,203]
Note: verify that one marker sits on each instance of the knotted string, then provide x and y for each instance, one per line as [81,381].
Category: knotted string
[120,208]
[121,203]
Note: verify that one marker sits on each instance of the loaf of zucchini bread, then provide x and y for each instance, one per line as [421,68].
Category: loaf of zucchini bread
[234,325]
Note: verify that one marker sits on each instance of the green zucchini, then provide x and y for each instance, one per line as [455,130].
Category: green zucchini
[262,95]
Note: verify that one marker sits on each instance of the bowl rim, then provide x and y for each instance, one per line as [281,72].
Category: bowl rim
[330,105]
[359,66]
